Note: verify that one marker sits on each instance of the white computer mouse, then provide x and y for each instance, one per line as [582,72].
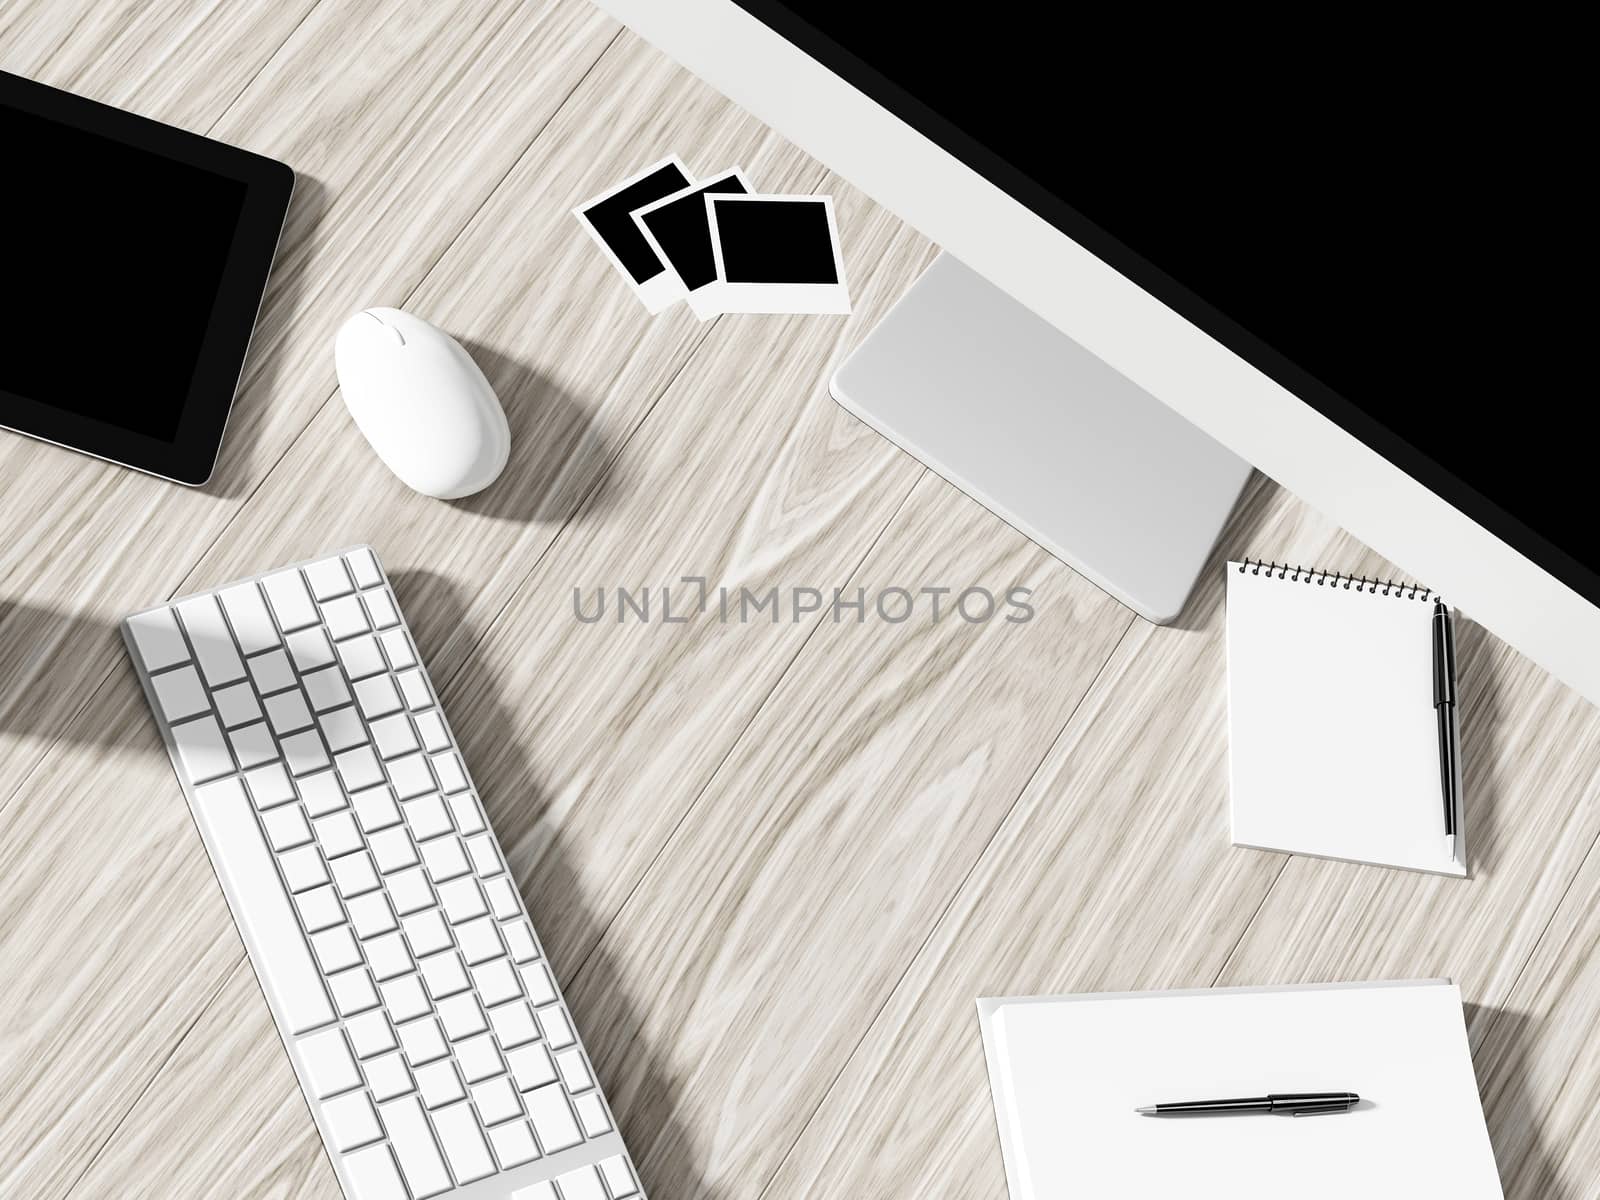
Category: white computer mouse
[422,403]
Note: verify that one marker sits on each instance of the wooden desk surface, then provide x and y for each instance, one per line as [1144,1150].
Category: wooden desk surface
[773,862]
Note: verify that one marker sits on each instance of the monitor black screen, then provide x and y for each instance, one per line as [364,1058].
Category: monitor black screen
[1370,214]
[114,256]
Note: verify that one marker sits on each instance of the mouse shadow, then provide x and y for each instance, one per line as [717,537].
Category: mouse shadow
[561,457]
[650,1118]
[1239,532]
[235,473]
[1487,773]
[1502,1062]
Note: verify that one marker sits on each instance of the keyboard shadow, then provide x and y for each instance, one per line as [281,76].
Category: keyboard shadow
[648,1118]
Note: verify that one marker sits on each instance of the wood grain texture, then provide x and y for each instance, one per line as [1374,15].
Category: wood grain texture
[774,862]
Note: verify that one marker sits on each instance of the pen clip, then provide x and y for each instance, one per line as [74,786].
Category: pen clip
[1318,1110]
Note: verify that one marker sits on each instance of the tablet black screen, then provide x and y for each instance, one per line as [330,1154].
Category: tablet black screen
[114,256]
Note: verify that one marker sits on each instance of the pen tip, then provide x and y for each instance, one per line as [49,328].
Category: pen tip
[1146,1110]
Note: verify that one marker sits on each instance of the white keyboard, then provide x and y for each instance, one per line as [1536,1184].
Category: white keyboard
[423,1022]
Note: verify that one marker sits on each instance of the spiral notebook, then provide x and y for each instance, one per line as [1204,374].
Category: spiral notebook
[1333,743]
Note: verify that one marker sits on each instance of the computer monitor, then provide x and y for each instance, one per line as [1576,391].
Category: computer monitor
[1321,246]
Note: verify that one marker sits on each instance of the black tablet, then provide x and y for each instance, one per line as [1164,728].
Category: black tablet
[135,256]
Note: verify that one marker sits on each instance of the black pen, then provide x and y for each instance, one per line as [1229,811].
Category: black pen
[1444,705]
[1297,1104]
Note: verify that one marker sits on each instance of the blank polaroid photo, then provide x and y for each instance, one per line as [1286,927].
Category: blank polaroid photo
[777,254]
[677,230]
[609,220]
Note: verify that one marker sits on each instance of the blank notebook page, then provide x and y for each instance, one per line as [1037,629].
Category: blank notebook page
[1333,745]
[1069,1071]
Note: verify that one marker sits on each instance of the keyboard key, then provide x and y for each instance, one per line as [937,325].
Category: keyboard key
[552,1119]
[410,892]
[330,1066]
[303,868]
[404,998]
[479,940]
[336,949]
[557,1029]
[444,974]
[361,657]
[387,1076]
[345,618]
[381,609]
[513,1144]
[430,728]
[180,694]
[319,908]
[287,712]
[252,624]
[213,643]
[412,1140]
[387,956]
[574,1070]
[370,1034]
[479,1059]
[321,793]
[203,749]
[464,808]
[393,850]
[501,894]
[271,672]
[358,768]
[304,752]
[530,1066]
[286,827]
[156,635]
[310,650]
[237,704]
[444,858]
[327,579]
[269,785]
[337,835]
[461,1017]
[592,1114]
[415,690]
[353,991]
[513,1024]
[519,940]
[497,982]
[496,1101]
[351,1121]
[290,601]
[373,1175]
[447,767]
[427,817]
[410,776]
[363,566]
[427,932]
[375,808]
[462,900]
[327,689]
[619,1179]
[370,914]
[439,1084]
[542,1190]
[536,978]
[377,696]
[463,1143]
[422,1041]
[397,648]
[485,856]
[582,1183]
[342,728]
[253,744]
[393,736]
[354,874]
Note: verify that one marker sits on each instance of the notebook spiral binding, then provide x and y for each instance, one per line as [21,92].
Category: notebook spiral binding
[1295,574]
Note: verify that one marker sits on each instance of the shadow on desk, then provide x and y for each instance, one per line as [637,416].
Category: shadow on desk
[649,1121]
[1527,1172]
[42,688]
[1486,763]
